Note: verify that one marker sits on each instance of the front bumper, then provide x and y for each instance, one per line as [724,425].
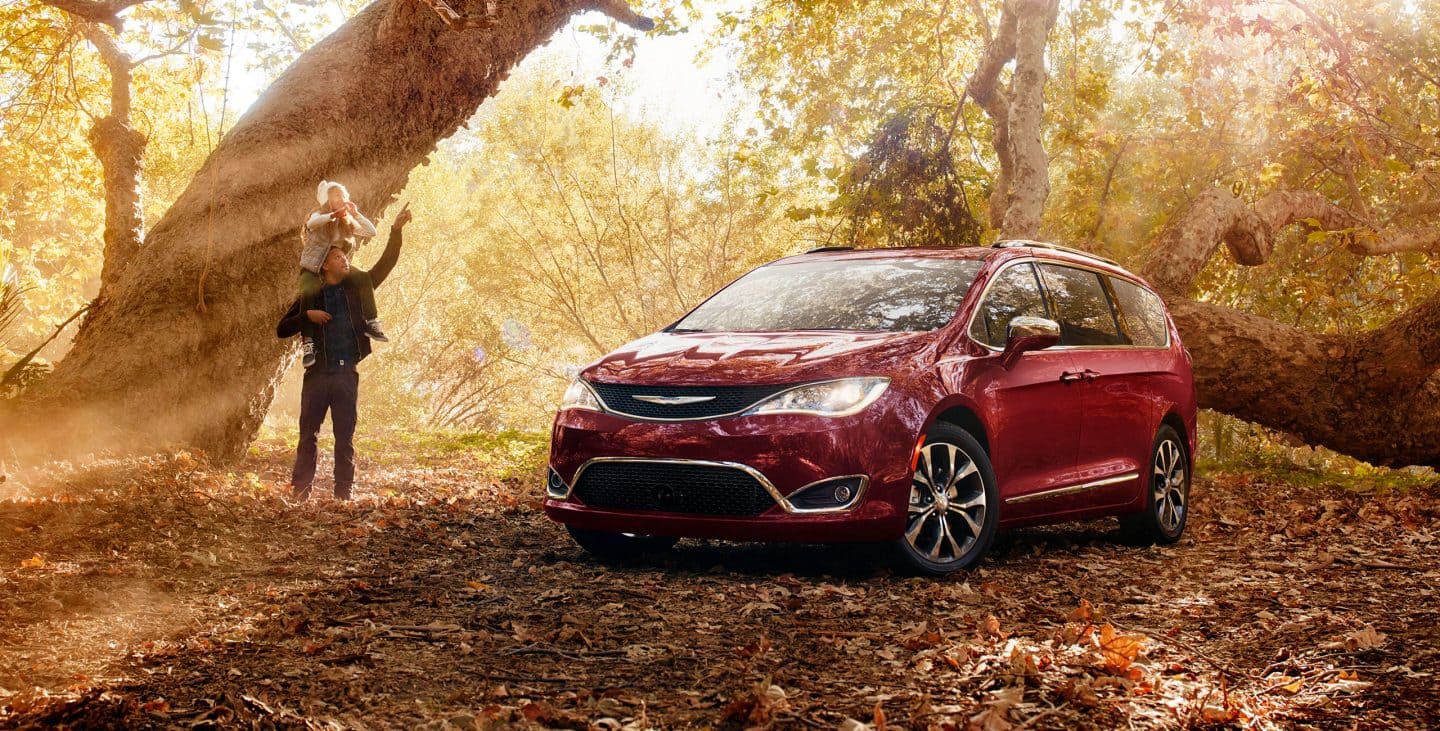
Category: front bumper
[785,452]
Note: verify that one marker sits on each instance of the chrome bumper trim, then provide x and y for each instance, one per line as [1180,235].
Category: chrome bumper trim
[747,469]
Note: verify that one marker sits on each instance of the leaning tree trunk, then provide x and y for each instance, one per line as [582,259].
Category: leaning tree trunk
[1374,395]
[183,350]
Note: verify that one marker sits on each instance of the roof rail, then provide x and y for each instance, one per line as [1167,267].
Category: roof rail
[1017,243]
[819,249]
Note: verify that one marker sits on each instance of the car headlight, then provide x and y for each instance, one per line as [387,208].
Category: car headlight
[842,397]
[580,396]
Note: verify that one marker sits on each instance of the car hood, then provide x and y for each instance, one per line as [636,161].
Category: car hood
[703,359]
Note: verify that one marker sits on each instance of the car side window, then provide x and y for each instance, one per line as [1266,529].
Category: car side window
[1141,311]
[1086,317]
[1016,293]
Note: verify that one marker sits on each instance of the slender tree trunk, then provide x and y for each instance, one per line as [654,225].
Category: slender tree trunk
[1017,115]
[1030,179]
[183,349]
[119,147]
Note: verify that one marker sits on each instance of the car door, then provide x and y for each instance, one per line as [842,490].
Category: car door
[1115,403]
[1033,408]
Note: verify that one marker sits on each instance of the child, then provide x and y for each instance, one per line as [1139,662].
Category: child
[336,223]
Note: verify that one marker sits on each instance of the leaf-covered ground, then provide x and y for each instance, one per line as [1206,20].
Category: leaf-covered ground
[164,594]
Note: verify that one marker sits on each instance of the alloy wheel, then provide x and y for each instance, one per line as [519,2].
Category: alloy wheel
[947,507]
[1169,486]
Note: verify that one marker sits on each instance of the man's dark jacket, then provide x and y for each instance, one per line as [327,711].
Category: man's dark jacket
[295,322]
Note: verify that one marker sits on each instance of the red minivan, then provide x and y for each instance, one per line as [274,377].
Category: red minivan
[921,397]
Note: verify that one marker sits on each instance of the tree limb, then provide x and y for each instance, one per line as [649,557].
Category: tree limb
[1022,185]
[1216,216]
[622,12]
[96,11]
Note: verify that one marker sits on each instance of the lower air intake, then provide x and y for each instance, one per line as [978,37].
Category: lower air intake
[672,487]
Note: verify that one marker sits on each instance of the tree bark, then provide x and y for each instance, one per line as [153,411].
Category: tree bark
[121,151]
[1373,395]
[1022,185]
[1030,179]
[164,359]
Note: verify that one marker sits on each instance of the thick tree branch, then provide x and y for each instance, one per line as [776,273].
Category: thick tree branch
[1215,216]
[1373,396]
[96,11]
[622,13]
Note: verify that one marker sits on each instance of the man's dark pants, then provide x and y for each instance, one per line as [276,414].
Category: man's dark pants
[335,390]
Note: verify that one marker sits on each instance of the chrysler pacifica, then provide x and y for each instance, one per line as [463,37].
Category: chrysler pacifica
[920,397]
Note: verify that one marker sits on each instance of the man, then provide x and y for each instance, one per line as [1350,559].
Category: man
[333,319]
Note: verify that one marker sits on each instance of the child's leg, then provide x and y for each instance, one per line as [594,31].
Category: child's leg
[309,285]
[365,287]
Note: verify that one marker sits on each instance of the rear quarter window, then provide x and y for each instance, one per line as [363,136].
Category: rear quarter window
[1141,312]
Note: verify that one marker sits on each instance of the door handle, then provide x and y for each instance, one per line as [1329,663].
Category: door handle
[1072,376]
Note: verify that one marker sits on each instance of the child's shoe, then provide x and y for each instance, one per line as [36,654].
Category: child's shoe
[307,348]
[372,328]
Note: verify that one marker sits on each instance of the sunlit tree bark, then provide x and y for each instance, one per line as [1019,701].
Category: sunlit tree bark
[1017,115]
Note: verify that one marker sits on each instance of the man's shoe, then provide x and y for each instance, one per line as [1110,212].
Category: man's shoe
[307,347]
[372,328]
[300,494]
[342,493]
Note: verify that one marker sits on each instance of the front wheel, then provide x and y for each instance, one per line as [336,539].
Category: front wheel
[954,504]
[619,546]
[1167,494]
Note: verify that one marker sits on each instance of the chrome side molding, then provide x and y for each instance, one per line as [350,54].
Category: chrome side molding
[1071,489]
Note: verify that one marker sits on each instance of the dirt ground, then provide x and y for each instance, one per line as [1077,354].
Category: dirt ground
[165,594]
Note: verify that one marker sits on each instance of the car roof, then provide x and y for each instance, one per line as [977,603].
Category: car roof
[1000,252]
[834,253]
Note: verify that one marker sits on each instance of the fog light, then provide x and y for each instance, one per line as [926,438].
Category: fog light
[832,495]
[554,486]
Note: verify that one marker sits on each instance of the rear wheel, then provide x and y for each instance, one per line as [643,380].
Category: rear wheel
[954,504]
[1167,494]
[619,546]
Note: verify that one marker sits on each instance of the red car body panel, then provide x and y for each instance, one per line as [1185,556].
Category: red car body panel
[1041,433]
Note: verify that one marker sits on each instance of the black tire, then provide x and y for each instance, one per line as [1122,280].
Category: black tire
[1167,478]
[928,545]
[619,546]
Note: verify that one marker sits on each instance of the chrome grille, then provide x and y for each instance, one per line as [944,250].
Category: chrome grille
[723,400]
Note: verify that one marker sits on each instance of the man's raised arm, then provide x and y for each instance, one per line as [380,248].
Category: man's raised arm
[382,268]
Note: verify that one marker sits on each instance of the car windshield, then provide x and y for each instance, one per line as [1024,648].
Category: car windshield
[838,294]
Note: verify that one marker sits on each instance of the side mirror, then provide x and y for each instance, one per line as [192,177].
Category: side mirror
[1025,334]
